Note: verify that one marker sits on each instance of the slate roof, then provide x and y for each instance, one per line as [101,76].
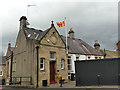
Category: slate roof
[78,46]
[111,54]
[32,33]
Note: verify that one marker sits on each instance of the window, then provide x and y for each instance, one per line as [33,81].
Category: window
[1,73]
[95,57]
[77,58]
[62,63]
[88,57]
[52,55]
[42,63]
[69,63]
[14,66]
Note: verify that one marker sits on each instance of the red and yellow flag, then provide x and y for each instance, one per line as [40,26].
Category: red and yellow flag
[61,24]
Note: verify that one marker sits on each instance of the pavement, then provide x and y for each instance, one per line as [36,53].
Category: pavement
[70,85]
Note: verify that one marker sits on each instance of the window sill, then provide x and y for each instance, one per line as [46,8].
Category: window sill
[52,59]
[70,70]
[42,69]
[62,68]
[13,71]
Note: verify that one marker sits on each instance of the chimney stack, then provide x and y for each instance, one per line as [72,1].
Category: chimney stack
[71,33]
[23,22]
[96,45]
[9,44]
[8,50]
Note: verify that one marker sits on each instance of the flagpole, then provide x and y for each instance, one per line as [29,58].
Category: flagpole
[28,9]
[66,36]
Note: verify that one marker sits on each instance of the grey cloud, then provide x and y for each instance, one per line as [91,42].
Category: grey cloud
[90,21]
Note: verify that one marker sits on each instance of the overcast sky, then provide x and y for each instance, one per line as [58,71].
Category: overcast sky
[90,20]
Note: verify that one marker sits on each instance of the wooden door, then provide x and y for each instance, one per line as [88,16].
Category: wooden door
[52,71]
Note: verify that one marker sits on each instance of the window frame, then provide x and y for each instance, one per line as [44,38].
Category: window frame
[77,58]
[96,57]
[62,63]
[69,58]
[43,68]
[14,66]
[54,55]
[1,74]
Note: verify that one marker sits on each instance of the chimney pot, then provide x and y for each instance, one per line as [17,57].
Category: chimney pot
[96,45]
[71,34]
[9,44]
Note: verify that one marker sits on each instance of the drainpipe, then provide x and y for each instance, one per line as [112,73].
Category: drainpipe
[11,67]
[37,64]
[104,53]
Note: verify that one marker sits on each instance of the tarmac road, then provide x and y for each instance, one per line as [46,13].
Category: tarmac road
[58,89]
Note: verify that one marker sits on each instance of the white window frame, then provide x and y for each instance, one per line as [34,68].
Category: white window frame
[54,56]
[1,74]
[62,63]
[43,62]
[69,58]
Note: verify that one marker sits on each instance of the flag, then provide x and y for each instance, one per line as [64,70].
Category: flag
[61,24]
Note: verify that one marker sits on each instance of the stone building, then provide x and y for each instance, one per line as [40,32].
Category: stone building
[2,69]
[112,53]
[3,66]
[39,54]
[8,60]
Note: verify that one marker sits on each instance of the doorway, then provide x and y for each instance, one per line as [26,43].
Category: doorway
[52,72]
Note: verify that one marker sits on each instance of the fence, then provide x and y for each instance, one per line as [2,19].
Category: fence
[20,80]
[98,72]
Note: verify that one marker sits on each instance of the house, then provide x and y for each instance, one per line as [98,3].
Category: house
[2,69]
[8,62]
[3,66]
[39,56]
[111,53]
[80,50]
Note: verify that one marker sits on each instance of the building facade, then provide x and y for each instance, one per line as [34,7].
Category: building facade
[39,54]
